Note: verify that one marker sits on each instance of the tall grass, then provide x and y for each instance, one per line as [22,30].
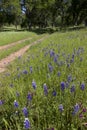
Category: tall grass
[9,37]
[46,88]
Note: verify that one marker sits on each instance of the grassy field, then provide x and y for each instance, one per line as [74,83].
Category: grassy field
[46,88]
[6,52]
[12,36]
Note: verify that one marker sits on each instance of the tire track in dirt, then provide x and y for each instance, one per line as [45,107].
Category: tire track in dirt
[14,43]
[6,61]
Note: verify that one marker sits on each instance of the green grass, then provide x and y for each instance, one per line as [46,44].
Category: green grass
[6,52]
[12,36]
[69,59]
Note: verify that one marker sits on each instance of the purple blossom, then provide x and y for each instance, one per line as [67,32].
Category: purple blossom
[61,108]
[55,58]
[82,87]
[72,89]
[11,85]
[67,84]
[34,84]
[52,53]
[31,70]
[76,109]
[17,94]
[50,67]
[63,86]
[25,111]
[69,78]
[84,110]
[25,72]
[54,93]
[29,96]
[16,103]
[58,73]
[27,123]
[45,89]
[1,102]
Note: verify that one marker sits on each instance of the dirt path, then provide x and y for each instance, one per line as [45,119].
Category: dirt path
[13,44]
[4,62]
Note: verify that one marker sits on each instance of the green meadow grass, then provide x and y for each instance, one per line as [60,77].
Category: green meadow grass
[6,52]
[58,68]
[12,36]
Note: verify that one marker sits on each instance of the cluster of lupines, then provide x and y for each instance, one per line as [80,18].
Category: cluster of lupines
[55,64]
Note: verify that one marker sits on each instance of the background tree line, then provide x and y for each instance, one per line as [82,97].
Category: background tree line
[43,13]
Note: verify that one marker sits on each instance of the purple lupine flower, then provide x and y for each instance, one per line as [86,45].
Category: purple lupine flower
[76,109]
[81,115]
[82,87]
[72,60]
[67,84]
[52,129]
[29,96]
[25,111]
[45,89]
[25,72]
[54,93]
[11,85]
[50,67]
[72,89]
[55,58]
[17,94]
[31,70]
[61,108]
[73,55]
[52,53]
[16,103]
[69,78]
[27,123]
[63,86]
[58,73]
[34,84]
[68,65]
[84,110]
[1,102]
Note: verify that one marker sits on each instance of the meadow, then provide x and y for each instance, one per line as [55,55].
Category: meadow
[13,36]
[46,89]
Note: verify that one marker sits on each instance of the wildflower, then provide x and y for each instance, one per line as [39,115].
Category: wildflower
[55,58]
[17,94]
[11,85]
[25,111]
[16,103]
[45,89]
[61,108]
[50,67]
[54,93]
[58,73]
[69,78]
[26,123]
[34,84]
[76,109]
[63,86]
[31,70]
[82,87]
[1,102]
[72,89]
[67,84]
[25,72]
[52,53]
[84,110]
[29,96]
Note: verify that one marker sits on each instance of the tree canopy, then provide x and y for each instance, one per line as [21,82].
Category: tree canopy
[43,13]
